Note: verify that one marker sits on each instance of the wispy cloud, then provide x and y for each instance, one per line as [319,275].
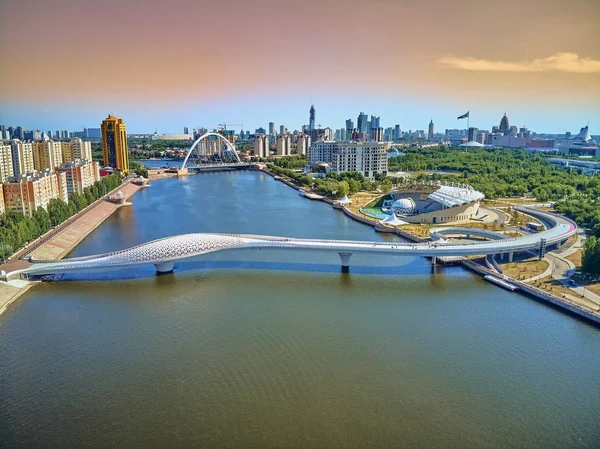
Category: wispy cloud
[563,62]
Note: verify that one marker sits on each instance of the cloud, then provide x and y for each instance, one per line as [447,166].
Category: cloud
[563,62]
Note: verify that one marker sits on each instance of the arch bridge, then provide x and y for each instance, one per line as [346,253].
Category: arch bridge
[212,150]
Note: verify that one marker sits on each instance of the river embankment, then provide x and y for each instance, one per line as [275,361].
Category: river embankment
[59,242]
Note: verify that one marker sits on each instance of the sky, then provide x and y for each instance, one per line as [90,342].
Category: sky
[162,65]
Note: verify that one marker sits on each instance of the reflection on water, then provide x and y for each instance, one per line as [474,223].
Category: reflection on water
[263,349]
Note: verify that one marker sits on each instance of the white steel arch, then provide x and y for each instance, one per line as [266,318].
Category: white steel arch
[196,144]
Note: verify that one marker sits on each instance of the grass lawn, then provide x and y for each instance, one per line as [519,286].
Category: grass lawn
[526,269]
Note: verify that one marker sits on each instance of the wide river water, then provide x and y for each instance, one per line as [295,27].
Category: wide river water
[270,349]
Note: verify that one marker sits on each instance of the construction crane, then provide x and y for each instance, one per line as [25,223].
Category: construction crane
[223,126]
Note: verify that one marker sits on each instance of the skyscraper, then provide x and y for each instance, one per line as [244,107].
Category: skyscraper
[430,132]
[114,144]
[271,129]
[375,122]
[186,130]
[472,135]
[361,123]
[504,126]
[349,126]
[282,130]
[397,134]
[311,118]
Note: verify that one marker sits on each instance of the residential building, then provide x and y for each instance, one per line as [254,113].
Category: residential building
[377,134]
[186,130]
[260,131]
[367,158]
[303,144]
[79,174]
[261,145]
[282,130]
[76,149]
[22,157]
[29,192]
[47,154]
[284,145]
[92,133]
[6,166]
[114,144]
[2,208]
[272,129]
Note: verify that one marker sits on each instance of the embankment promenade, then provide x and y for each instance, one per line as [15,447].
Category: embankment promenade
[58,242]
[564,304]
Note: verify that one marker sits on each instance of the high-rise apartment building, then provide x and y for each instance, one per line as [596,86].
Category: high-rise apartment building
[284,145]
[397,132]
[76,149]
[2,208]
[261,145]
[367,158]
[272,129]
[22,157]
[114,144]
[27,193]
[47,154]
[79,175]
[6,166]
[430,132]
[186,130]
[303,144]
[377,134]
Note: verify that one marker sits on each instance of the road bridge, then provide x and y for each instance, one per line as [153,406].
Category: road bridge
[163,253]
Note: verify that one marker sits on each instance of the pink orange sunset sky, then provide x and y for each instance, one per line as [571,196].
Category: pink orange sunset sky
[167,64]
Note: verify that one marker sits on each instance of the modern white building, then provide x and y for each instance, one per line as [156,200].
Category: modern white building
[367,158]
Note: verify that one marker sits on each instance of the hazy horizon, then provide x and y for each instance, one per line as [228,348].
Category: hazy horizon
[189,63]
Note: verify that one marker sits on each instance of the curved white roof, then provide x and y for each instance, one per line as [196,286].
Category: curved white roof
[455,195]
[345,200]
[392,220]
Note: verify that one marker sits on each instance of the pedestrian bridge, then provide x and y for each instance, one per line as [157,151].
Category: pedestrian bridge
[163,253]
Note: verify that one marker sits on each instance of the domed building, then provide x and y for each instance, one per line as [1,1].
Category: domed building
[404,206]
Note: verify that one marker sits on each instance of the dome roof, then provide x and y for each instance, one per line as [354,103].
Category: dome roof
[404,206]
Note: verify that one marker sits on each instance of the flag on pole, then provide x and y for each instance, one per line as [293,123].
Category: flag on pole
[463,116]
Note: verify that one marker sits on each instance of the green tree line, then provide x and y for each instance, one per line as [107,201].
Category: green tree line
[16,229]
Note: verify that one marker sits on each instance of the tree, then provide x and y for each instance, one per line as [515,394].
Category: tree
[590,257]
[342,189]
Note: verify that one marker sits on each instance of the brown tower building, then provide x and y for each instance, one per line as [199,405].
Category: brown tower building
[114,144]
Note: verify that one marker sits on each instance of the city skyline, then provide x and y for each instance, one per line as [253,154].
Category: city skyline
[537,61]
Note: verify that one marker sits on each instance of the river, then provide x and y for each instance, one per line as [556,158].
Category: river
[268,349]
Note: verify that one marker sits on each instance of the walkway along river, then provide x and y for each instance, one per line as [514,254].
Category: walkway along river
[278,349]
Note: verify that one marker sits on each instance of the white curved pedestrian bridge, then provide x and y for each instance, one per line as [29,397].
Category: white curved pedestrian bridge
[164,252]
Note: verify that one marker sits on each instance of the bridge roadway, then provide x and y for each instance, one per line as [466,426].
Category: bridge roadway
[164,252]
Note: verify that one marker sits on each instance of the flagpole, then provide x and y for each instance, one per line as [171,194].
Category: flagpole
[468,121]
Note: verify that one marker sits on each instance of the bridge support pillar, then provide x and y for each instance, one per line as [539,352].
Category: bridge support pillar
[165,267]
[345,261]
[510,256]
[433,260]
